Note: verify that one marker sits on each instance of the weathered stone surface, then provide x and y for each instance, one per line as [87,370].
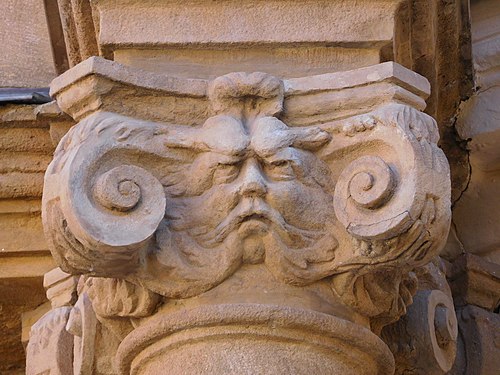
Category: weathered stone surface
[18,295]
[475,281]
[49,348]
[317,98]
[479,342]
[281,60]
[431,38]
[78,24]
[25,151]
[323,191]
[247,339]
[61,288]
[29,318]
[424,341]
[25,53]
[272,21]
[361,274]
[476,213]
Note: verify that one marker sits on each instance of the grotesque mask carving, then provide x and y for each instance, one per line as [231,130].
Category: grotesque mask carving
[177,208]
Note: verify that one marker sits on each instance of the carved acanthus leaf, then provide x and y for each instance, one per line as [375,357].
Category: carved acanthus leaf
[120,298]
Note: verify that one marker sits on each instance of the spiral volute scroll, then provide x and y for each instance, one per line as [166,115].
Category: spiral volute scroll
[432,322]
[102,202]
[123,208]
[370,182]
[366,199]
[119,188]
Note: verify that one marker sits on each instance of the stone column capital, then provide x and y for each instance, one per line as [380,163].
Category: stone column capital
[327,188]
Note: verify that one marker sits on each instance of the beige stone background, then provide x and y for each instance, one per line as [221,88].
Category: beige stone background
[25,150]
[26,54]
[28,133]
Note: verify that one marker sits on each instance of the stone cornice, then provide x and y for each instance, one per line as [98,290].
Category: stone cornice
[335,95]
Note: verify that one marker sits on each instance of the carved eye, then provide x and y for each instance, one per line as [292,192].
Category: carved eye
[225,173]
[280,170]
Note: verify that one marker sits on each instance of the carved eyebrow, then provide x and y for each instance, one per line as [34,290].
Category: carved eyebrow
[286,154]
[215,158]
[222,134]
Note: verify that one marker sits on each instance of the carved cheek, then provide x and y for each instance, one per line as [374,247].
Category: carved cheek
[300,205]
[209,208]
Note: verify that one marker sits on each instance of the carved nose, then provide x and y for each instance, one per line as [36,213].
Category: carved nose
[253,183]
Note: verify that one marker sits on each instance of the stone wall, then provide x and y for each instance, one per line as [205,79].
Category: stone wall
[26,59]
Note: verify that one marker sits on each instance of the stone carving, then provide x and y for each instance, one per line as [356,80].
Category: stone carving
[82,324]
[61,288]
[221,186]
[168,209]
[119,298]
[475,285]
[50,347]
[424,341]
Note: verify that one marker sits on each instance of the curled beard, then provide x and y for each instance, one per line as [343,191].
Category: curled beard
[193,260]
[304,265]
[179,267]
[257,209]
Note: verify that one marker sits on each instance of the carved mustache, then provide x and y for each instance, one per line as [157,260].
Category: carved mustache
[251,208]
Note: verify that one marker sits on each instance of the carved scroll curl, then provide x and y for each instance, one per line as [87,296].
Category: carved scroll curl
[392,197]
[100,200]
[393,169]
[365,184]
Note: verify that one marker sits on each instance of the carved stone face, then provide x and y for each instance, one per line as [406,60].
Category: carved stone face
[256,186]
[177,208]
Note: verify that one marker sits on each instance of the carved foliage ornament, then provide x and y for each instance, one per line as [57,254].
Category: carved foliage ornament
[178,208]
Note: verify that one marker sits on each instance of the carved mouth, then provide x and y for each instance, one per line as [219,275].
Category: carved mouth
[254,217]
[253,224]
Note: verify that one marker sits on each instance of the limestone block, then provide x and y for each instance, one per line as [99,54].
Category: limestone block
[476,281]
[272,21]
[25,151]
[26,266]
[25,54]
[22,232]
[277,38]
